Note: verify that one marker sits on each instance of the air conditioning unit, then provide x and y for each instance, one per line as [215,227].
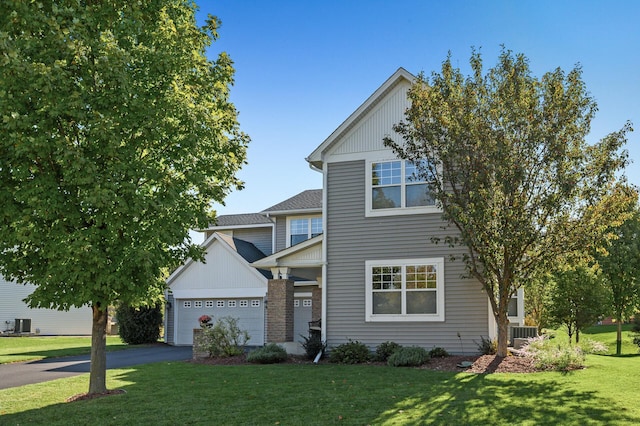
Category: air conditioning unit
[22,325]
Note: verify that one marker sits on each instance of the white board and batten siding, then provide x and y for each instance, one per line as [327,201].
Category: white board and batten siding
[223,286]
[76,321]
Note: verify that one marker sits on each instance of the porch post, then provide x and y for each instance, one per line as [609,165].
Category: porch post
[280,311]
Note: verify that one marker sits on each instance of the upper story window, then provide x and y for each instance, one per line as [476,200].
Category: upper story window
[396,186]
[405,290]
[301,229]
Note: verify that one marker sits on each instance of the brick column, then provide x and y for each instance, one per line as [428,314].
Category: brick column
[316,300]
[280,311]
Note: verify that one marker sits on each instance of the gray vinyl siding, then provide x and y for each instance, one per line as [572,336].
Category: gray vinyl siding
[281,233]
[352,239]
[259,237]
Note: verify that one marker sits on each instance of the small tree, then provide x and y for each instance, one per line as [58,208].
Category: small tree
[579,299]
[138,325]
[620,266]
[506,158]
[538,300]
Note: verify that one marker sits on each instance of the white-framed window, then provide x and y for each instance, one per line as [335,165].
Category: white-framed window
[306,303]
[244,303]
[208,303]
[296,303]
[397,187]
[300,229]
[255,303]
[405,290]
[231,303]
[220,303]
[186,304]
[197,304]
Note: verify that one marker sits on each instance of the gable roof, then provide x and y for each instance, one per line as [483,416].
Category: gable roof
[306,201]
[316,158]
[290,257]
[236,247]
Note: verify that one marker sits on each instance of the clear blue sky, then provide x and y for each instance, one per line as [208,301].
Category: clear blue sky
[302,67]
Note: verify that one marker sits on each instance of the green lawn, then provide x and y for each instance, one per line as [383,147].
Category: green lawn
[28,348]
[185,393]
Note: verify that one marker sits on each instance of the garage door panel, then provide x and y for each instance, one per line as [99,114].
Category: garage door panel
[249,312]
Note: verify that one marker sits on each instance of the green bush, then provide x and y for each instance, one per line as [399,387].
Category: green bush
[352,352]
[438,353]
[385,350]
[139,325]
[487,346]
[412,356]
[313,345]
[225,338]
[268,354]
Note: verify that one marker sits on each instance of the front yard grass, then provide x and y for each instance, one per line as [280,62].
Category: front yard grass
[29,348]
[186,393]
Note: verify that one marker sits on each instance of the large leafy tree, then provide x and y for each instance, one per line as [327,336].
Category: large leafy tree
[117,136]
[620,266]
[508,162]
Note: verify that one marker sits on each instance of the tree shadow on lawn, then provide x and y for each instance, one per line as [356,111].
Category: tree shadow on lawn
[488,399]
[322,394]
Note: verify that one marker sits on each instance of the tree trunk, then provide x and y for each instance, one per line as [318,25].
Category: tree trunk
[503,334]
[619,337]
[577,336]
[98,372]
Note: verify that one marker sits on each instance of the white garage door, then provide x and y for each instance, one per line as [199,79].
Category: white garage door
[249,312]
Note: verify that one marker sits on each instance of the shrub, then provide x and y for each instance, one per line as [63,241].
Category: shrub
[385,350]
[548,355]
[225,338]
[487,346]
[313,345]
[438,353]
[408,357]
[352,352]
[268,354]
[139,325]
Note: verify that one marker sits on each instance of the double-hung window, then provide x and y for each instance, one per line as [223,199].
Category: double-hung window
[405,290]
[301,229]
[398,185]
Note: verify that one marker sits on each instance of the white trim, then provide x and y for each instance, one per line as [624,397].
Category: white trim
[323,288]
[369,211]
[278,259]
[303,294]
[437,317]
[308,211]
[219,293]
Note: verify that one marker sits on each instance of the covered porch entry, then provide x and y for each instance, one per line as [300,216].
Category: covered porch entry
[294,294]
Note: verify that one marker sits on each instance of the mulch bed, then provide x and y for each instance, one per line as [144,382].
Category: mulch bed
[479,364]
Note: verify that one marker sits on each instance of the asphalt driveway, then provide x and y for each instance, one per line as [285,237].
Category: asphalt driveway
[24,373]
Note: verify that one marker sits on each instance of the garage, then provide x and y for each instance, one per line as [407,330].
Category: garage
[248,311]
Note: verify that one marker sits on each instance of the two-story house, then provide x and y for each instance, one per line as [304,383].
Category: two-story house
[361,256]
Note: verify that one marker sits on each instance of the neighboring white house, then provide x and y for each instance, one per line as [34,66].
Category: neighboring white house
[40,321]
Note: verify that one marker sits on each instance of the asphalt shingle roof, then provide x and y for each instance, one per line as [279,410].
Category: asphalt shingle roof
[230,220]
[306,200]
